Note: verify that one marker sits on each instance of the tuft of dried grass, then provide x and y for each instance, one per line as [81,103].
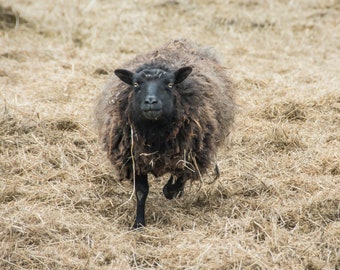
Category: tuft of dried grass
[10,18]
[289,111]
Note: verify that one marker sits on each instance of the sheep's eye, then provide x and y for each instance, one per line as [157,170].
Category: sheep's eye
[170,85]
[135,85]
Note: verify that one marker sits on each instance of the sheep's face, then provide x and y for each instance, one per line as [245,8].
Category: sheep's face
[153,92]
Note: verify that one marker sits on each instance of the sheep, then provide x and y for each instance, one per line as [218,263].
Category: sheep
[166,112]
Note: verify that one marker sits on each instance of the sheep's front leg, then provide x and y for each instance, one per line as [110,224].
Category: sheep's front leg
[142,190]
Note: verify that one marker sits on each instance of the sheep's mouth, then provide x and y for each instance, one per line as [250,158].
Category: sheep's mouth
[152,114]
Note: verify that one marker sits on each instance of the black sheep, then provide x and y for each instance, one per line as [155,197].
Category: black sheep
[169,112]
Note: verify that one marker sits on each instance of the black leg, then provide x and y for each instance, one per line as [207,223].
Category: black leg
[142,190]
[174,190]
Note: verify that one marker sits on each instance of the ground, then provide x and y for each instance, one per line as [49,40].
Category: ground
[277,202]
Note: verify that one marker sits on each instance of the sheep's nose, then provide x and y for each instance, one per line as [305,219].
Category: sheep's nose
[150,100]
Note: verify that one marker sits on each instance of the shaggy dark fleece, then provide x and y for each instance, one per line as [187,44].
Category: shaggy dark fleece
[185,146]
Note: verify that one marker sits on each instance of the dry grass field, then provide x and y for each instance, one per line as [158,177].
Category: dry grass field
[277,203]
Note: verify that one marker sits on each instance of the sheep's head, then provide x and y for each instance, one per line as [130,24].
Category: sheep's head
[153,92]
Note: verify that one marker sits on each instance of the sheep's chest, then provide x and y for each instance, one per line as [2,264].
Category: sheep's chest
[161,163]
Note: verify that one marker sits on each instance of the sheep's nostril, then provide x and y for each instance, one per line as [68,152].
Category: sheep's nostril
[150,100]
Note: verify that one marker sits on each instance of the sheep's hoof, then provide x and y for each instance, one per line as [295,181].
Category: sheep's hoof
[170,193]
[137,226]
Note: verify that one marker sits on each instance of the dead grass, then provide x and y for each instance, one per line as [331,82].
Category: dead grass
[277,203]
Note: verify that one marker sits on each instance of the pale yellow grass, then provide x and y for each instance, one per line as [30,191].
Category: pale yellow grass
[277,203]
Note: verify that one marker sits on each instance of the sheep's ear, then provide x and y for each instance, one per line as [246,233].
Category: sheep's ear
[124,75]
[181,74]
